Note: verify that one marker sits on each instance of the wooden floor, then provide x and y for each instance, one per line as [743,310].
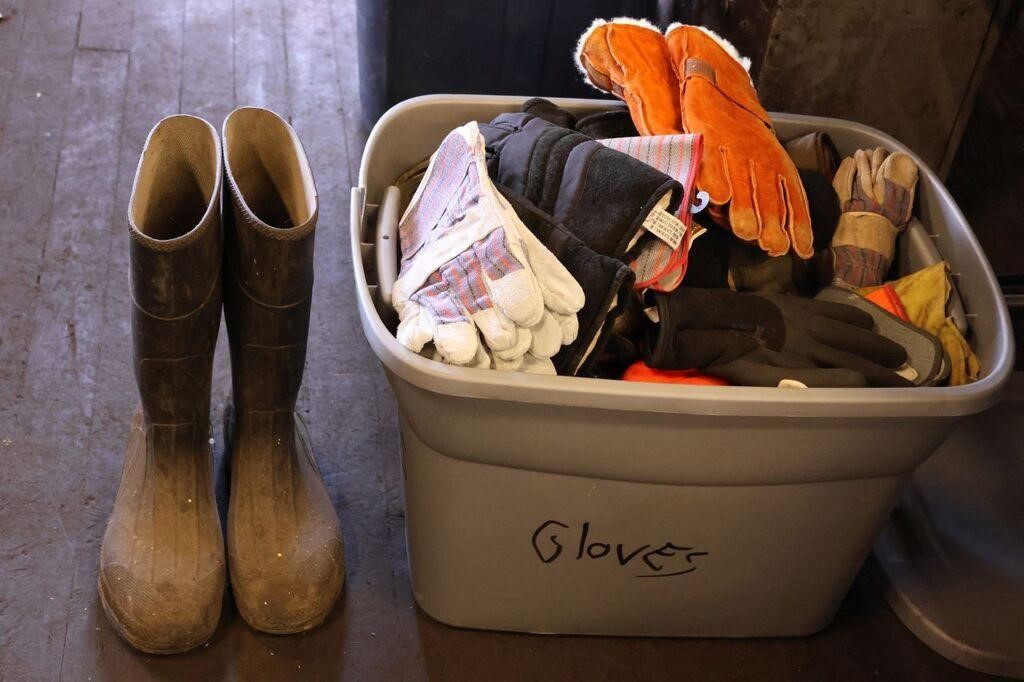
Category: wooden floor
[81,83]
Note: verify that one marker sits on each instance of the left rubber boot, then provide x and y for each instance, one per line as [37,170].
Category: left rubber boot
[161,565]
[285,552]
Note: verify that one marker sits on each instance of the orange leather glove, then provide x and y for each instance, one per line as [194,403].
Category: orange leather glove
[629,58]
[753,184]
[694,81]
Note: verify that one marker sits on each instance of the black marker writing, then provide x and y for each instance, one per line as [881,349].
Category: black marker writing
[666,560]
[552,538]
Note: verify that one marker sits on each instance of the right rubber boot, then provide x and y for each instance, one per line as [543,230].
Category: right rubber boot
[162,566]
[285,551]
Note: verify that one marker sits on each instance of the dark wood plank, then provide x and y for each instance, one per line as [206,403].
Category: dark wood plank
[261,70]
[32,122]
[31,130]
[106,25]
[63,335]
[207,67]
[74,272]
[343,22]
[11,30]
[37,558]
[154,87]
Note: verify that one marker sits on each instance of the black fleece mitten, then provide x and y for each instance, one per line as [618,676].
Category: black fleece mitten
[549,111]
[608,124]
[600,195]
[606,284]
[761,339]
[602,125]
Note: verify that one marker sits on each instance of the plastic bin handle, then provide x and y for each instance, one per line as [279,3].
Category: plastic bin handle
[917,236]
[386,243]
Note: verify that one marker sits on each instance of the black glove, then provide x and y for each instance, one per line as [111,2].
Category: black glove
[615,122]
[761,339]
[607,284]
[925,355]
[607,124]
[600,195]
[550,112]
[823,203]
[720,261]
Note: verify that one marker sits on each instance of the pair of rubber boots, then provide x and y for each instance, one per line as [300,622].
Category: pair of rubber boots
[162,563]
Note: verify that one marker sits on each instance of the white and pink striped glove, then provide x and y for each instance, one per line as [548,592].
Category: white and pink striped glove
[469,265]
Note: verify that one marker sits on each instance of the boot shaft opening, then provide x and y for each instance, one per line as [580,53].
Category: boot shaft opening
[177,182]
[269,168]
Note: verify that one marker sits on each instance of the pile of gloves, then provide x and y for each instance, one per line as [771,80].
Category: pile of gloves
[542,242]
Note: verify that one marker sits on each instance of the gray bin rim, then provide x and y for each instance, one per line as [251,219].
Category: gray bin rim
[606,394]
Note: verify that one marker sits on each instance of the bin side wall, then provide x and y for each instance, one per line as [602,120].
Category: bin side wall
[507,549]
[667,448]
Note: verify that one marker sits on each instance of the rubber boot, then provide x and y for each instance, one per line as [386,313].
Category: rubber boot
[285,551]
[161,576]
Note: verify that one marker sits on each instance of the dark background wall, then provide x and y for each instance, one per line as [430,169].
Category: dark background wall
[506,47]
[987,173]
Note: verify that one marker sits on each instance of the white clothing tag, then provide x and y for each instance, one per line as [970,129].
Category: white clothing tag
[665,227]
[652,314]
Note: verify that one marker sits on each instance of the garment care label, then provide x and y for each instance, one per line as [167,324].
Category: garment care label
[665,227]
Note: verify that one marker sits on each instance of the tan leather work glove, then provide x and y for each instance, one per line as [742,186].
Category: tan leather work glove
[876,196]
[754,186]
[629,59]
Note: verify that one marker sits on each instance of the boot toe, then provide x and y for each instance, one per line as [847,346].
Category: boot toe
[162,617]
[287,594]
